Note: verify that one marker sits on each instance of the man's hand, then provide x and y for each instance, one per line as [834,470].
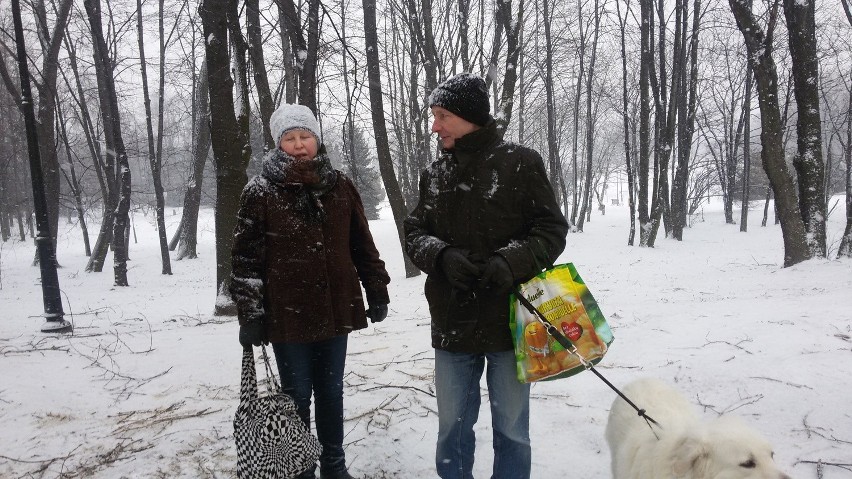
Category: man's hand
[458,269]
[497,278]
[377,312]
[252,334]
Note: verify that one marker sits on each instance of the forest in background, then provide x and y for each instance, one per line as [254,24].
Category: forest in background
[158,104]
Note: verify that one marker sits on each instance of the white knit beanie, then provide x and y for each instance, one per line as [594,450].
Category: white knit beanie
[290,117]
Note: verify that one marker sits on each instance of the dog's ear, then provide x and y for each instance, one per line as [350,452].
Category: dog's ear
[690,454]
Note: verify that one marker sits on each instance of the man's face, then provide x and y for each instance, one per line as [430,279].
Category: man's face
[450,127]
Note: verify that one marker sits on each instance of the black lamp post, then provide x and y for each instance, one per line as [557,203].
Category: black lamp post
[54,317]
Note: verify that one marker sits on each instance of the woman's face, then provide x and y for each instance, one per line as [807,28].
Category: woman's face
[300,144]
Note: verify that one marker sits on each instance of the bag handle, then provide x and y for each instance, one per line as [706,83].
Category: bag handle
[248,379]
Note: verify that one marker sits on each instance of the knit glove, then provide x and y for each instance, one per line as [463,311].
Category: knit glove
[252,334]
[497,277]
[458,269]
[377,312]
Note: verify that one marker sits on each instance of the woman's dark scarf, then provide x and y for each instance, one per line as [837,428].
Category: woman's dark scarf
[309,178]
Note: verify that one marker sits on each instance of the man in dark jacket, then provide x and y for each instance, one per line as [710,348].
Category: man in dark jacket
[487,219]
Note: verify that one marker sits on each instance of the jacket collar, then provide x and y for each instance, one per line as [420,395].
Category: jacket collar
[470,146]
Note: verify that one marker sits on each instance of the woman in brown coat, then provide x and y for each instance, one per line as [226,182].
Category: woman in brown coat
[301,246]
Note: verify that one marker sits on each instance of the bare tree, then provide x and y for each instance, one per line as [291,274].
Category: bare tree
[72,180]
[646,61]
[155,154]
[50,40]
[261,81]
[759,46]
[808,161]
[304,49]
[845,248]
[397,202]
[625,117]
[112,129]
[586,197]
[186,236]
[229,134]
[685,126]
[746,180]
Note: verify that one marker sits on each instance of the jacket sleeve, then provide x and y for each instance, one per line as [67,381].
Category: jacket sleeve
[545,238]
[371,269]
[247,255]
[422,247]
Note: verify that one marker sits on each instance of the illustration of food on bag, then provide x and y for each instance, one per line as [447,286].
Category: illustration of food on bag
[541,361]
[568,314]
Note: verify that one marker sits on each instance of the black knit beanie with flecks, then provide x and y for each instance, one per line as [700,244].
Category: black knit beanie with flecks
[466,96]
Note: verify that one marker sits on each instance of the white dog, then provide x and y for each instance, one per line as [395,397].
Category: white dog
[688,447]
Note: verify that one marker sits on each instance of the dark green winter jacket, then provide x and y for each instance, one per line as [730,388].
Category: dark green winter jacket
[490,197]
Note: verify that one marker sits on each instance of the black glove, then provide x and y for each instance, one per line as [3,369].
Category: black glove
[377,312]
[457,267]
[252,333]
[497,278]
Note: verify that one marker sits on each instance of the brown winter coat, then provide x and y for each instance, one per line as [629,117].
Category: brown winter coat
[489,197]
[301,278]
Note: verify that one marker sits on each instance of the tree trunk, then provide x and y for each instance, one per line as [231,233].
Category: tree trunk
[231,150]
[581,59]
[188,228]
[154,153]
[759,48]
[686,129]
[590,124]
[553,162]
[73,183]
[667,106]
[644,119]
[845,249]
[290,76]
[746,152]
[45,82]
[395,197]
[622,21]
[808,160]
[109,112]
[261,82]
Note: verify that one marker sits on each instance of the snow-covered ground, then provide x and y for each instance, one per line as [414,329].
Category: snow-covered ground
[148,383]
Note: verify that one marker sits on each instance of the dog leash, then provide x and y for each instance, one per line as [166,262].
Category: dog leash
[571,348]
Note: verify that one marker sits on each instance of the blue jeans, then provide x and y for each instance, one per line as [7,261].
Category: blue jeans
[457,378]
[317,367]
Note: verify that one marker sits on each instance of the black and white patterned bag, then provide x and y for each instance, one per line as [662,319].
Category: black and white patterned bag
[272,441]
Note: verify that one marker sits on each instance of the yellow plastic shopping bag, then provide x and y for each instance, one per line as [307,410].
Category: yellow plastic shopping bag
[563,300]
